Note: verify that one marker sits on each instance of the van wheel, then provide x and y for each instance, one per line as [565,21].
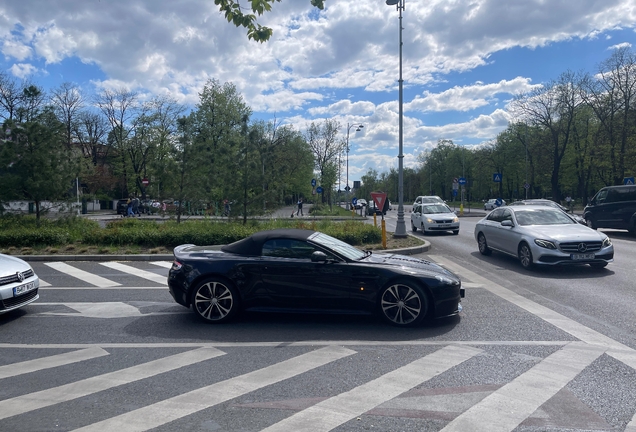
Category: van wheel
[590,223]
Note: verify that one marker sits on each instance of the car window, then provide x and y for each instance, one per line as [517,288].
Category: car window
[435,208]
[601,196]
[542,217]
[288,248]
[506,215]
[417,209]
[495,215]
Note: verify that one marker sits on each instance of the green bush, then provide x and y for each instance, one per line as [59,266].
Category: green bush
[25,231]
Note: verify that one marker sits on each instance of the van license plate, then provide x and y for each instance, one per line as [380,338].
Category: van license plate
[587,256]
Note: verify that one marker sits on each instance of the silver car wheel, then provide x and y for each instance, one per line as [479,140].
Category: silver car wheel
[483,245]
[403,304]
[214,301]
[525,256]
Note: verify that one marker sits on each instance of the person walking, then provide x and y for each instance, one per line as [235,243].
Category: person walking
[135,206]
[129,208]
[300,207]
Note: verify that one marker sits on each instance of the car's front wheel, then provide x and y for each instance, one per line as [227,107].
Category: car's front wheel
[525,256]
[215,300]
[413,227]
[403,304]
[483,245]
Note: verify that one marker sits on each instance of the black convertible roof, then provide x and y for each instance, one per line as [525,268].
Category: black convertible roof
[253,244]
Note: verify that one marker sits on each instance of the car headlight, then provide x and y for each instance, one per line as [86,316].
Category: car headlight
[429,220]
[455,219]
[545,244]
[607,242]
[446,280]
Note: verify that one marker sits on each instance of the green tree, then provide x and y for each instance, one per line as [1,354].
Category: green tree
[234,14]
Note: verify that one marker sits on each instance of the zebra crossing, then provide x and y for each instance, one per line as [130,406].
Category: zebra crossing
[521,402]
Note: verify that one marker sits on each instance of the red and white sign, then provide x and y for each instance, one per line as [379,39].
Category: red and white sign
[145,181]
[379,198]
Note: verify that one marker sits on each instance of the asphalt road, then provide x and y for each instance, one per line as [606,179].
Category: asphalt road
[106,348]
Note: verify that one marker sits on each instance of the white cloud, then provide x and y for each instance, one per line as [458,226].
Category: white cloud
[23,70]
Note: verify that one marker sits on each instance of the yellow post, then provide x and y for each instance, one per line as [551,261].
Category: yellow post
[383,234]
[375,223]
[461,209]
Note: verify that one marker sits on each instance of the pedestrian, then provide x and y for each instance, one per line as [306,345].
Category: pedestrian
[135,206]
[226,208]
[300,207]
[568,200]
[129,209]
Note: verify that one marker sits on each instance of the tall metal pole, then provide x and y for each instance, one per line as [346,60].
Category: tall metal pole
[400,228]
[347,186]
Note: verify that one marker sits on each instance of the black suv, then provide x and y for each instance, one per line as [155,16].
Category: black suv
[612,207]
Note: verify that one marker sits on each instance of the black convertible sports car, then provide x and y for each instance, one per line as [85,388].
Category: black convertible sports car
[308,271]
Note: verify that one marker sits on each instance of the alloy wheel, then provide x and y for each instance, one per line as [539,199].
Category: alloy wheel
[403,304]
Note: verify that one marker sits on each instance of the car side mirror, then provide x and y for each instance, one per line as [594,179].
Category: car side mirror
[318,256]
[507,223]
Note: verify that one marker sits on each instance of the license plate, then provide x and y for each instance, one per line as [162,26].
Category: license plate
[21,289]
[587,256]
[445,225]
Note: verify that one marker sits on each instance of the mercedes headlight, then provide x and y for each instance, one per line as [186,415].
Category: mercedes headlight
[545,244]
[607,242]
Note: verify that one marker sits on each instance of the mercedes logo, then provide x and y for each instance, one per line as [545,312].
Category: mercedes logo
[20,276]
[582,247]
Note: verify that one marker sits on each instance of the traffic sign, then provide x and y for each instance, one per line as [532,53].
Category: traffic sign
[379,198]
[319,189]
[455,180]
[498,202]
[628,180]
[313,182]
[496,177]
[454,191]
[348,188]
[145,182]
[354,200]
[527,186]
[462,181]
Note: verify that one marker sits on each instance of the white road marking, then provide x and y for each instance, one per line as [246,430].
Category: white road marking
[28,366]
[509,406]
[137,272]
[32,401]
[174,408]
[44,284]
[82,275]
[92,288]
[105,310]
[164,264]
[335,411]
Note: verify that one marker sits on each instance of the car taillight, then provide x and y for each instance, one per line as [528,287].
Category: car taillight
[176,265]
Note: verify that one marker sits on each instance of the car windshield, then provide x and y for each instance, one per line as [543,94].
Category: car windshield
[435,208]
[542,217]
[337,246]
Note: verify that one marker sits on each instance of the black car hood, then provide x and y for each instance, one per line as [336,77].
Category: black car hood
[407,262]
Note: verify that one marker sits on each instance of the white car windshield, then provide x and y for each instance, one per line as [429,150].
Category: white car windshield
[545,216]
[337,246]
[435,209]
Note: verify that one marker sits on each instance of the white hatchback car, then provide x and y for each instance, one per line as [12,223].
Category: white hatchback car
[18,283]
[491,204]
[434,217]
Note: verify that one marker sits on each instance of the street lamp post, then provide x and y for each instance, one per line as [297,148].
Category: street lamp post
[347,187]
[400,228]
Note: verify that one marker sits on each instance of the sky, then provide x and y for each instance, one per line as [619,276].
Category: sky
[463,61]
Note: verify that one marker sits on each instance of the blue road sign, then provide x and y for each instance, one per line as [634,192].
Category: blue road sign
[319,189]
[628,180]
[498,202]
[496,177]
[313,182]
[354,200]
[454,192]
[462,180]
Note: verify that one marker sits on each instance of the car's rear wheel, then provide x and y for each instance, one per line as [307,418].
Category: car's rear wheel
[413,227]
[215,300]
[525,256]
[598,265]
[483,245]
[403,304]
